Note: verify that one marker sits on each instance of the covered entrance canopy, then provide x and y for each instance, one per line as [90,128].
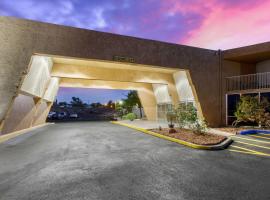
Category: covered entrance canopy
[46,74]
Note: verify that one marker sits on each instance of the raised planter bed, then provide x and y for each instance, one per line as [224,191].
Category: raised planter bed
[189,136]
[215,143]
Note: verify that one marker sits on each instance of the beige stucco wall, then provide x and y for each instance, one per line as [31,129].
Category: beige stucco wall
[38,76]
[52,89]
[42,111]
[161,93]
[183,87]
[25,112]
[20,115]
[32,104]
[114,74]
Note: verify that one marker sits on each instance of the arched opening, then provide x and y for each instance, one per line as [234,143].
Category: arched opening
[95,104]
[158,88]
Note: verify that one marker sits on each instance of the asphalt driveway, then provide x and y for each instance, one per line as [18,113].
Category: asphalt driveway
[99,160]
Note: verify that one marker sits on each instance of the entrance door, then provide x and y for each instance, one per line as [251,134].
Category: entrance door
[162,109]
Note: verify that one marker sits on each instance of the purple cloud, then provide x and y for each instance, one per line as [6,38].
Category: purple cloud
[145,19]
[176,21]
[91,95]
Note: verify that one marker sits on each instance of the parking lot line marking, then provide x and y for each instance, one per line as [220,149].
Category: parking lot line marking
[251,153]
[249,150]
[243,138]
[255,145]
[257,136]
[264,134]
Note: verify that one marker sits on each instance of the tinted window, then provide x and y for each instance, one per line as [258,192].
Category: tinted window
[233,100]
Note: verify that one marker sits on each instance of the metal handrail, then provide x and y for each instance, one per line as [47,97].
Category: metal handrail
[248,82]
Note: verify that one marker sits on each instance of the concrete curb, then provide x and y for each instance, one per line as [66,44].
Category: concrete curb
[220,146]
[4,138]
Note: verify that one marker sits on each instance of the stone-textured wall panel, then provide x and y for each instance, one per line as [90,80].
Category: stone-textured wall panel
[42,110]
[161,93]
[38,76]
[52,90]
[21,114]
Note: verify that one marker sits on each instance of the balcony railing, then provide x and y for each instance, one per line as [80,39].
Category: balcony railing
[248,82]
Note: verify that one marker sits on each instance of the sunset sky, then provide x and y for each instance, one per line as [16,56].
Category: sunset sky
[90,95]
[213,24]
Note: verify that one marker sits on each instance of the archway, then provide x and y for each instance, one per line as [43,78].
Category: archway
[155,85]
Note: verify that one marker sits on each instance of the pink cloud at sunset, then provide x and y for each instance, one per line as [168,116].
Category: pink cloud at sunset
[213,24]
[229,27]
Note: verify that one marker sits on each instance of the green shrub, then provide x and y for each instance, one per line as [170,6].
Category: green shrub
[129,116]
[250,109]
[246,109]
[187,117]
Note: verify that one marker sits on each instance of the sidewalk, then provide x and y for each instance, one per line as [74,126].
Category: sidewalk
[145,124]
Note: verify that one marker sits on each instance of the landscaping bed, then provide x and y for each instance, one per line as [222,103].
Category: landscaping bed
[189,136]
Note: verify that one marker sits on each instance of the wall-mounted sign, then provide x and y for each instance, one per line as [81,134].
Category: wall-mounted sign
[123,59]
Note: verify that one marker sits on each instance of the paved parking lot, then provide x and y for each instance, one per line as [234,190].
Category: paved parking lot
[99,160]
[257,144]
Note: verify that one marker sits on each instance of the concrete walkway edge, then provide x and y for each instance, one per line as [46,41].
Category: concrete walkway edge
[11,135]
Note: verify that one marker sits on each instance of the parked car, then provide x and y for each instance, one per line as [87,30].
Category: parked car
[54,116]
[51,114]
[73,115]
[62,115]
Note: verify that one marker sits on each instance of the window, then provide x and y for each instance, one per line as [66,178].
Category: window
[267,96]
[162,110]
[232,101]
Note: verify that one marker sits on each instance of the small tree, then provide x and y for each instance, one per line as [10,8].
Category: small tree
[96,105]
[111,104]
[131,101]
[187,117]
[264,118]
[119,109]
[250,109]
[130,116]
[77,102]
[246,109]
